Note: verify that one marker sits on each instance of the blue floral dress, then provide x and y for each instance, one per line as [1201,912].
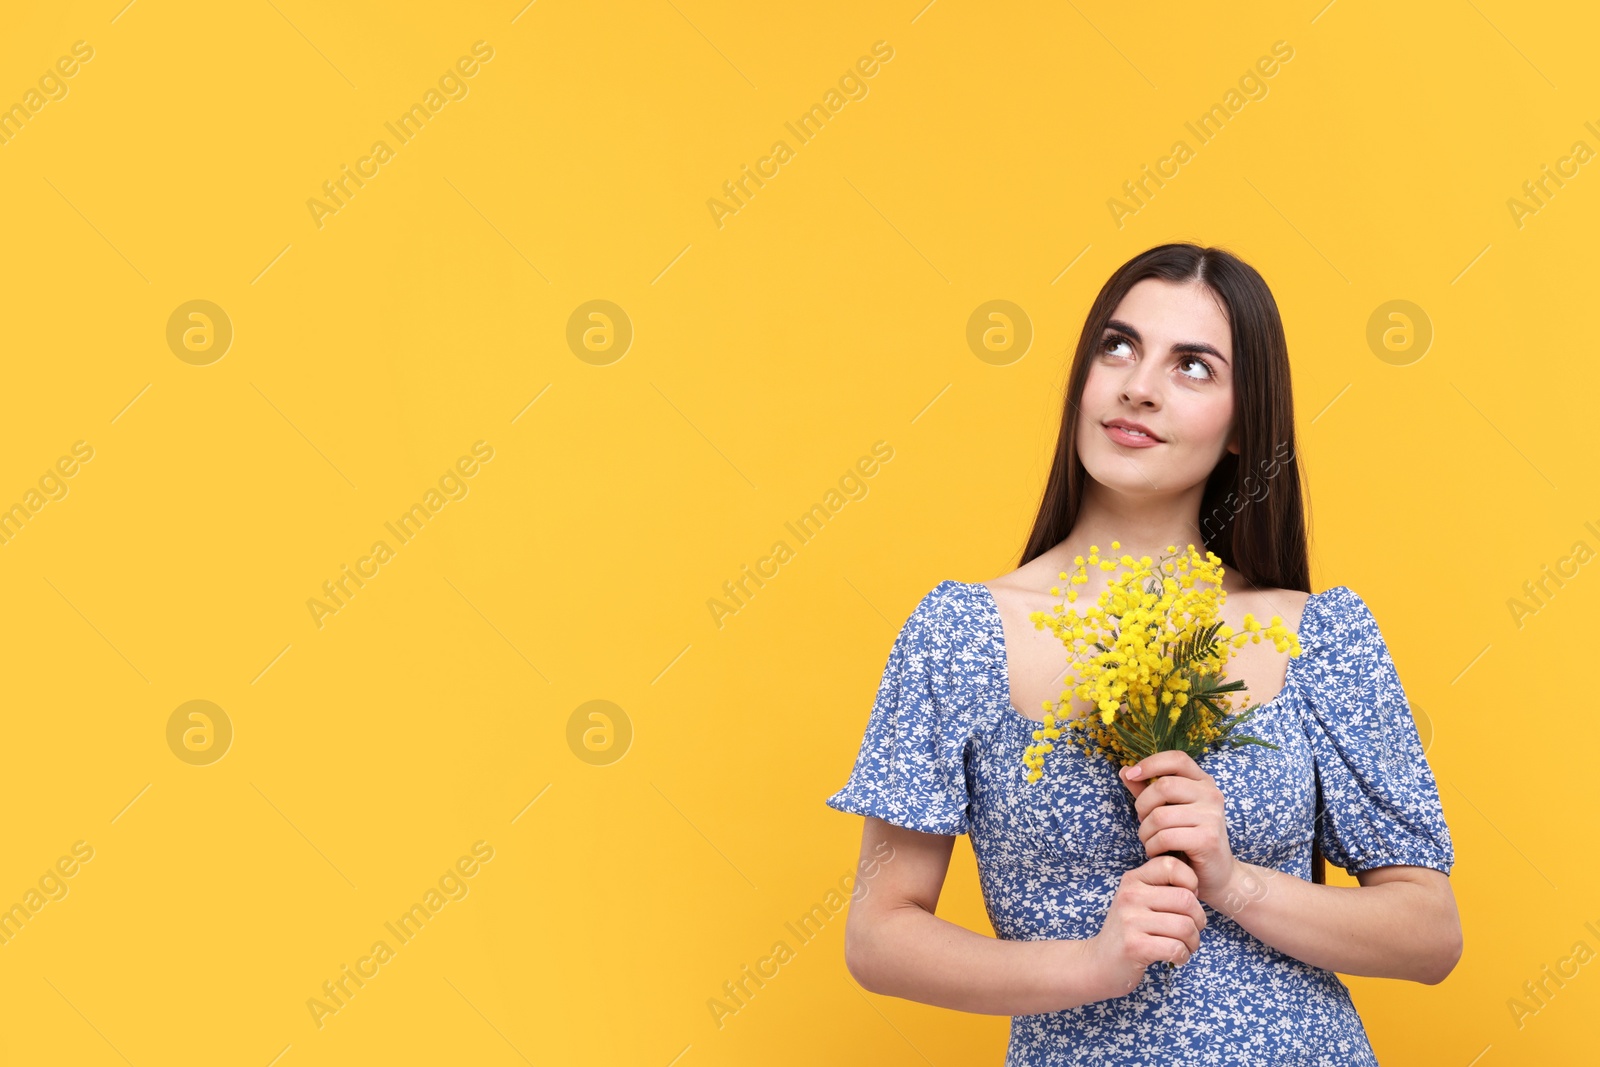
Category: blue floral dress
[942,754]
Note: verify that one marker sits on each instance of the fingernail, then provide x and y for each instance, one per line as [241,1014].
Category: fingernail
[1132,772]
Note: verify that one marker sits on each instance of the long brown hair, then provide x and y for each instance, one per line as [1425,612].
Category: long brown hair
[1252,512]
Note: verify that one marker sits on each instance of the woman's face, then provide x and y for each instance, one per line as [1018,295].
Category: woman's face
[1165,361]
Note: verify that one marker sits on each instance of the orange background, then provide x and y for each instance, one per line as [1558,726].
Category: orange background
[627,865]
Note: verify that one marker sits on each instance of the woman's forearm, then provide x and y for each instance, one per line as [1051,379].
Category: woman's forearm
[906,951]
[1392,930]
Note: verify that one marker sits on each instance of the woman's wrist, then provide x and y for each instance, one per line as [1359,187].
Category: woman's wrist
[1246,884]
[1078,976]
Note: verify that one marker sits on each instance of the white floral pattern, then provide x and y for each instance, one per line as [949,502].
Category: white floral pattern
[942,753]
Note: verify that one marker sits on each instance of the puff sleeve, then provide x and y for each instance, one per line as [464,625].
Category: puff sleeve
[910,770]
[1378,804]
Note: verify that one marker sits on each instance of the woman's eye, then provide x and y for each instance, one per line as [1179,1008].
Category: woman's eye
[1110,343]
[1186,364]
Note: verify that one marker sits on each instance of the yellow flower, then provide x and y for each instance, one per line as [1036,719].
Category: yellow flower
[1132,653]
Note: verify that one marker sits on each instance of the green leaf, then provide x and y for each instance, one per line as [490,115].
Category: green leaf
[1137,745]
[1197,647]
[1209,684]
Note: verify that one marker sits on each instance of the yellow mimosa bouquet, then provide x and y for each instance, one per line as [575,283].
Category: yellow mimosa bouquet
[1150,655]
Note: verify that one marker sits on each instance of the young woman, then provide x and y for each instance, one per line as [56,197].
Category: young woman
[1178,429]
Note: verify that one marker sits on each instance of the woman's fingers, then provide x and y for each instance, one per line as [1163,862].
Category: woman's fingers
[1167,870]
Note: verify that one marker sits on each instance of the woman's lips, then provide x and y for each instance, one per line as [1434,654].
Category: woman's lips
[1123,437]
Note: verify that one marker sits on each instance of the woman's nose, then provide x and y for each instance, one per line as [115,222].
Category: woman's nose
[1140,385]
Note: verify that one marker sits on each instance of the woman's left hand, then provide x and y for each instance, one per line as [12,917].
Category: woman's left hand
[1183,809]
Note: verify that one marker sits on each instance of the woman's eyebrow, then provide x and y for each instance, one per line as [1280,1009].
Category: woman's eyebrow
[1185,347]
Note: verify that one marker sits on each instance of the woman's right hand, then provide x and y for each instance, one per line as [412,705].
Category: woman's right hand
[1155,915]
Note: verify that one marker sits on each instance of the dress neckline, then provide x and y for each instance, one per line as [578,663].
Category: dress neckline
[998,622]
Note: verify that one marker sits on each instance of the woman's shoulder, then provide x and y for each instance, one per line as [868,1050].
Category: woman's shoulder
[1288,604]
[943,605]
[1338,607]
[1347,621]
[957,627]
[1037,573]
[1017,593]
[947,617]
[1339,633]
